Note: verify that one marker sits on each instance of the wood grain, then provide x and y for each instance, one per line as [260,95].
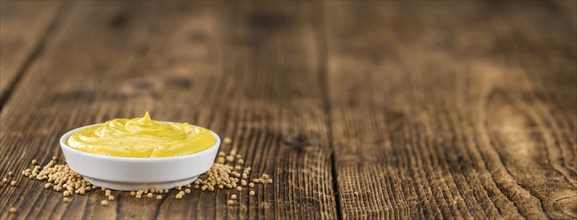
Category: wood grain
[24,27]
[375,109]
[460,110]
[232,68]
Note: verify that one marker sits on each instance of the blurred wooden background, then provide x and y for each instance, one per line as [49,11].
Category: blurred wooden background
[383,109]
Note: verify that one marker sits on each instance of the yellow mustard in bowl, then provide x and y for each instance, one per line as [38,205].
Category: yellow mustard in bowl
[142,138]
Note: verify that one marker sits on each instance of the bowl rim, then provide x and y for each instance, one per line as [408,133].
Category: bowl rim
[67,135]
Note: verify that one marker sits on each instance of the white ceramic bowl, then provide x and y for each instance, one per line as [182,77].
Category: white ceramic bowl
[125,173]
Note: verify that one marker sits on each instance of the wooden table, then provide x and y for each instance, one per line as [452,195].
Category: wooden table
[383,109]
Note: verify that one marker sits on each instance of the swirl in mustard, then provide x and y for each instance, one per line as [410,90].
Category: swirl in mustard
[142,138]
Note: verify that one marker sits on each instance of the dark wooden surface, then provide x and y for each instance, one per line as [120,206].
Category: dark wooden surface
[357,109]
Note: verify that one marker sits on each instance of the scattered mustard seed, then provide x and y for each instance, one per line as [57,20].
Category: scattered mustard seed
[224,173]
[13,210]
[227,140]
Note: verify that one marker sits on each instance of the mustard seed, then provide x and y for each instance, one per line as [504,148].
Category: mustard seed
[251,193]
[149,195]
[107,192]
[251,185]
[178,196]
[187,190]
[66,200]
[111,198]
[227,140]
[34,161]
[269,181]
[13,210]
[265,176]
[132,193]
[4,180]
[13,183]
[10,173]
[159,197]
[178,187]
[230,202]
[233,196]
[104,203]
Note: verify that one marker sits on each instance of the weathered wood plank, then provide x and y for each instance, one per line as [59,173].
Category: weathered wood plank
[248,72]
[453,109]
[23,27]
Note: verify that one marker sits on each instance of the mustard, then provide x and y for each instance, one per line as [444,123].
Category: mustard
[142,138]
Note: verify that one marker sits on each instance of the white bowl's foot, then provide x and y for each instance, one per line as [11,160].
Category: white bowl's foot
[123,186]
